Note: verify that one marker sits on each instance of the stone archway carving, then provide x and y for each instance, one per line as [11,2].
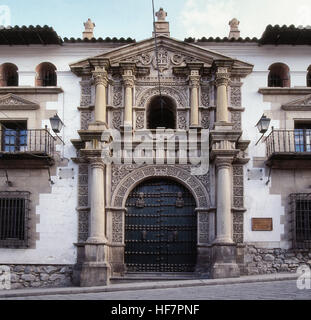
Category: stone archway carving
[137,176]
[144,97]
[127,184]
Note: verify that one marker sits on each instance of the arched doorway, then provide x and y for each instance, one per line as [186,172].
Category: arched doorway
[160,228]
[161,113]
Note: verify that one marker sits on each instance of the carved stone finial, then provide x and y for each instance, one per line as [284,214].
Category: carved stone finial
[89,28]
[161,25]
[234,29]
[161,15]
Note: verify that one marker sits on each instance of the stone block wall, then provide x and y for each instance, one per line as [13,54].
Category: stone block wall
[265,261]
[40,276]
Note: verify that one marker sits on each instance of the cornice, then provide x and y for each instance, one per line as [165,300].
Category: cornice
[31,90]
[285,91]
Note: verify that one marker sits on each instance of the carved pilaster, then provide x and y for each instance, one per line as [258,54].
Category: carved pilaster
[222,81]
[194,83]
[129,83]
[100,77]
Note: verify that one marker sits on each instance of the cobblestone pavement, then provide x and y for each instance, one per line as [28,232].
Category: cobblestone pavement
[278,290]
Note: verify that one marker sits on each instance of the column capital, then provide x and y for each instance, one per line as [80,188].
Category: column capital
[97,163]
[223,162]
[129,80]
[194,78]
[222,77]
[100,76]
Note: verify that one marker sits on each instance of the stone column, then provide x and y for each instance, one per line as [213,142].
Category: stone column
[224,250]
[97,225]
[101,82]
[129,81]
[194,87]
[222,81]
[224,194]
[95,269]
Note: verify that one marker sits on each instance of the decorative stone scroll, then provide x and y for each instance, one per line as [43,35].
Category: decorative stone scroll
[132,179]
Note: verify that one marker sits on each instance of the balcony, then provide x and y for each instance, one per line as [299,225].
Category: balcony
[26,149]
[289,149]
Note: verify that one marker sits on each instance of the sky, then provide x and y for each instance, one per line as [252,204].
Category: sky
[133,18]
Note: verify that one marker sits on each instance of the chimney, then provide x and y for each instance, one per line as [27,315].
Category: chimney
[162,27]
[234,29]
[89,28]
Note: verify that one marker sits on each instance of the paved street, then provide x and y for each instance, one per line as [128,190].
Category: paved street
[278,290]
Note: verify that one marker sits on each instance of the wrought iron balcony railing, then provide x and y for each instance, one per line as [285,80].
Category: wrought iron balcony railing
[19,141]
[296,142]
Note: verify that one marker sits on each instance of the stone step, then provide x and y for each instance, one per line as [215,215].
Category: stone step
[149,277]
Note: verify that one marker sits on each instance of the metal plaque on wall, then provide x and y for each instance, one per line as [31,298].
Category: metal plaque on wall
[262,224]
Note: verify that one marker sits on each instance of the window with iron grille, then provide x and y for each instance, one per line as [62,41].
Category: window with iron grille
[14,213]
[301,214]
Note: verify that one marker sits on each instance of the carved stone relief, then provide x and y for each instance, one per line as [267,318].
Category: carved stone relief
[116,119]
[182,120]
[178,96]
[199,192]
[86,116]
[86,93]
[140,120]
[203,222]
[205,96]
[117,96]
[117,227]
[238,202]
[236,119]
[235,96]
[205,121]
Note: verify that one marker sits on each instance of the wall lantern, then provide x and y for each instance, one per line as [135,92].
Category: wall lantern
[263,126]
[56,124]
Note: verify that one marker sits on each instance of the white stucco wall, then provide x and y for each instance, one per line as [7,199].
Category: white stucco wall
[259,200]
[58,222]
[58,225]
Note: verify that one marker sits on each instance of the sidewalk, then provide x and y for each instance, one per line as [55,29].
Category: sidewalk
[31,292]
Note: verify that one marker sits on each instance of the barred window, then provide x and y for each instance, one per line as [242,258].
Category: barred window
[301,211]
[14,212]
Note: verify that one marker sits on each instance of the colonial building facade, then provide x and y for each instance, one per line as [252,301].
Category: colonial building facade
[68,216]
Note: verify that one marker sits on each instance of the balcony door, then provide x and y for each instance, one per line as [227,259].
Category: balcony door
[14,136]
[302,137]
